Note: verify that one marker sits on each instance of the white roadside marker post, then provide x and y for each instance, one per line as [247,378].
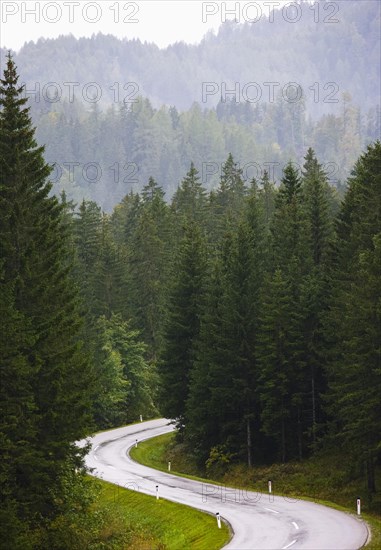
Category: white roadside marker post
[358,506]
[271,498]
[218,520]
[157,492]
[136,443]
[169,466]
[141,418]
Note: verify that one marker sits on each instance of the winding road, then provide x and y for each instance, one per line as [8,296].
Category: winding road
[258,520]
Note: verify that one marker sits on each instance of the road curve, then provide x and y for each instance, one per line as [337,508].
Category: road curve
[259,521]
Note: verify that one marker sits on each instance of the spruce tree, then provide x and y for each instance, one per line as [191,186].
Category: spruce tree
[316,192]
[227,202]
[204,420]
[182,326]
[279,382]
[315,285]
[148,266]
[290,263]
[52,397]
[222,407]
[353,321]
[190,201]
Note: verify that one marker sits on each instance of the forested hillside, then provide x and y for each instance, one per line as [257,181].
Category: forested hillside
[258,306]
[153,111]
[338,44]
[219,264]
[102,156]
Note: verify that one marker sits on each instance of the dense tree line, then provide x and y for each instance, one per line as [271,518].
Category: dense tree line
[252,301]
[281,349]
[103,155]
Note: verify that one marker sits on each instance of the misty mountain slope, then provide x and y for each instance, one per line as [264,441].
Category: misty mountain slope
[345,52]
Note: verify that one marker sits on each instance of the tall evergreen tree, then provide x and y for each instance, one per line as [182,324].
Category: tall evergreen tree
[290,263]
[222,407]
[149,262]
[353,323]
[55,377]
[183,323]
[316,204]
[279,379]
[315,286]
[190,200]
[227,201]
[87,229]
[267,196]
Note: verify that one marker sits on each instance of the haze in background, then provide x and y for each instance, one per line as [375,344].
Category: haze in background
[163,22]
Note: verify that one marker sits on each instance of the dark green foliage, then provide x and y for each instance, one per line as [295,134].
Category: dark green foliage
[221,410]
[190,200]
[148,263]
[247,315]
[353,323]
[316,204]
[279,379]
[183,323]
[227,202]
[46,376]
[125,380]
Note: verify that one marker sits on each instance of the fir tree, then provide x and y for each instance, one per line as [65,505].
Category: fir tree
[353,322]
[189,201]
[183,323]
[55,378]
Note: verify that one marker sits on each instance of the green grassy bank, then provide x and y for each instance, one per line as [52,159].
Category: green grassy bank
[140,522]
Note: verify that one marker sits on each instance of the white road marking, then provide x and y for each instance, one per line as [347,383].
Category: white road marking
[289,545]
[270,510]
[295,525]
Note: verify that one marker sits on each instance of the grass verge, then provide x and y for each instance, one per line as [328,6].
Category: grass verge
[323,479]
[140,522]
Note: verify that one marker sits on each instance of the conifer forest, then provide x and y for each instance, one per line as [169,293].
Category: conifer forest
[215,264]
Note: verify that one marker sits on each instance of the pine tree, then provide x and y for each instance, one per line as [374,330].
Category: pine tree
[353,322]
[227,201]
[55,377]
[316,204]
[109,285]
[202,430]
[190,202]
[315,285]
[267,196]
[183,323]
[222,407]
[277,383]
[149,262]
[291,261]
[87,229]
[286,227]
